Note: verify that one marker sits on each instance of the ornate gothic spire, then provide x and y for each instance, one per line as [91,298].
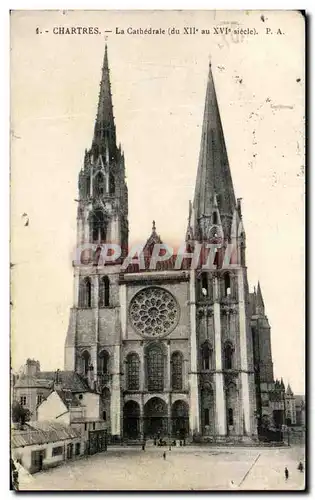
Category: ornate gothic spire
[214,176]
[104,140]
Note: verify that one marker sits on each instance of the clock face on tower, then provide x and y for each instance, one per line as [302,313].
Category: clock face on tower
[154,312]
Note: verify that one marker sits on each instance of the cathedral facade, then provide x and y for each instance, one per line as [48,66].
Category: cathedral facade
[168,348]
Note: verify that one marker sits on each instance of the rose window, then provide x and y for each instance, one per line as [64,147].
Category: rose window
[154,312]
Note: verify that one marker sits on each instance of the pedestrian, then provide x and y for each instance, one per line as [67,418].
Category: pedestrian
[164,455]
[154,441]
[15,480]
[143,447]
[300,467]
[286,473]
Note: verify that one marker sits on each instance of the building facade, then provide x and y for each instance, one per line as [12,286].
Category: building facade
[169,347]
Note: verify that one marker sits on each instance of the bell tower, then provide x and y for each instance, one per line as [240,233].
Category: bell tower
[93,341]
[222,377]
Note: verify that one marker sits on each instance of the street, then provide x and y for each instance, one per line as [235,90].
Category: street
[187,468]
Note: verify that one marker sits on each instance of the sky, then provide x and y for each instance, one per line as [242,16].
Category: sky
[158,87]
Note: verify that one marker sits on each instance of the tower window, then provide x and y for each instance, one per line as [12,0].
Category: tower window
[228,356]
[204,285]
[227,285]
[111,184]
[99,184]
[206,355]
[87,185]
[104,292]
[86,359]
[104,363]
[215,218]
[230,416]
[85,293]
[207,416]
[99,226]
[104,415]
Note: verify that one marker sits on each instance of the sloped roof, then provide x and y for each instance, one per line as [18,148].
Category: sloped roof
[68,398]
[67,379]
[30,381]
[43,432]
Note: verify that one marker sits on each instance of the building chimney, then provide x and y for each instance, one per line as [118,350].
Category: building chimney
[57,381]
[32,367]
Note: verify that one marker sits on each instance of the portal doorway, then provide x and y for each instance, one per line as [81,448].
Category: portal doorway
[155,418]
[180,419]
[131,419]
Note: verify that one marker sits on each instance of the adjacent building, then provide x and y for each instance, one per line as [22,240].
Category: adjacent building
[41,445]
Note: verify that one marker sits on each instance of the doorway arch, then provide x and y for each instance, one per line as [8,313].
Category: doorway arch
[180,419]
[131,419]
[155,418]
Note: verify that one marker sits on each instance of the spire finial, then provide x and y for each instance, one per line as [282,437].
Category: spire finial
[153,227]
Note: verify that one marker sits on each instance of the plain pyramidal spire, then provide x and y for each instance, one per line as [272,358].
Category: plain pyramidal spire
[213,176]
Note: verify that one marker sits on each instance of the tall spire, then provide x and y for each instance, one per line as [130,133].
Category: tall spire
[104,139]
[213,176]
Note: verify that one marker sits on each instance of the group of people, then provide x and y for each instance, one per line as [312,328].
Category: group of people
[300,468]
[163,442]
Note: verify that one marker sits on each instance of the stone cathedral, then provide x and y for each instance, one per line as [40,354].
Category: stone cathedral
[170,351]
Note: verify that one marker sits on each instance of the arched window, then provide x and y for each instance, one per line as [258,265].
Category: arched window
[204,285]
[99,184]
[216,259]
[207,410]
[87,186]
[85,293]
[104,292]
[243,262]
[227,285]
[99,226]
[104,363]
[86,361]
[228,356]
[104,415]
[133,368]
[230,417]
[206,356]
[111,184]
[177,371]
[215,218]
[155,368]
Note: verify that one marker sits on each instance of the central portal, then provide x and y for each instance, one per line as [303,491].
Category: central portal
[155,418]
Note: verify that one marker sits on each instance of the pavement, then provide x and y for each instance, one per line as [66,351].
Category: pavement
[184,468]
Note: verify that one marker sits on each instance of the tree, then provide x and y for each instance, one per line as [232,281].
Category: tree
[20,415]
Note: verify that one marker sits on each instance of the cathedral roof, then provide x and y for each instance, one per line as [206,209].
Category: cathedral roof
[154,239]
[213,176]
